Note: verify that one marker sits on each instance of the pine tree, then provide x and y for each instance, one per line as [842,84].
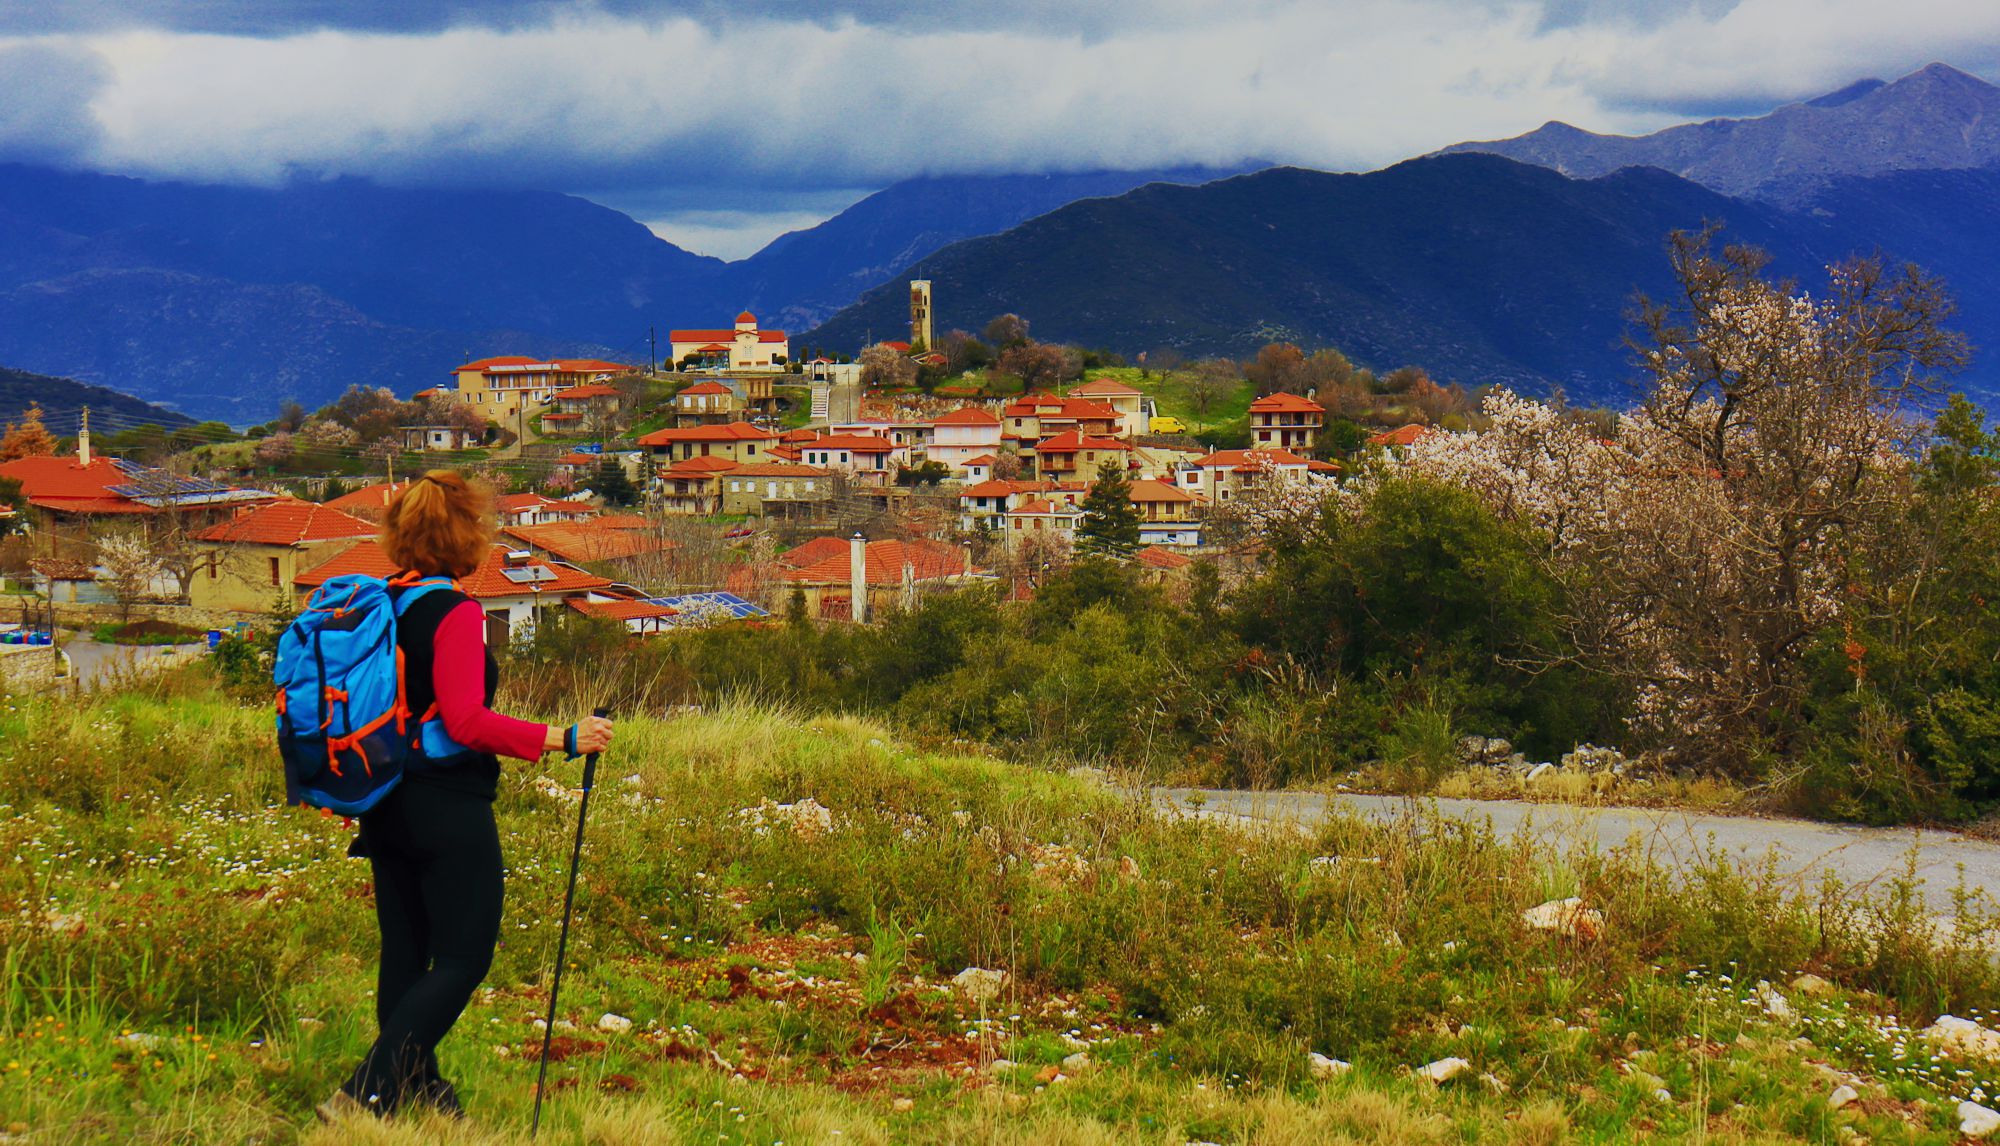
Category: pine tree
[30,439]
[612,485]
[1110,520]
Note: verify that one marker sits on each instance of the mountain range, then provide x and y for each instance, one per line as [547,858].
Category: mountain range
[63,401]
[224,301]
[1935,118]
[1476,267]
[1517,265]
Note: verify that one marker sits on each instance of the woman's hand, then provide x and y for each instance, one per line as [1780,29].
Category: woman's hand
[593,734]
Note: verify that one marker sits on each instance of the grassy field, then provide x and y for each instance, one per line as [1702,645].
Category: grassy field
[1229,414]
[780,906]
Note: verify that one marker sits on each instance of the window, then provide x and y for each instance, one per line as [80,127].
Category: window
[211,567]
[751,448]
[1263,435]
[843,457]
[735,486]
[274,572]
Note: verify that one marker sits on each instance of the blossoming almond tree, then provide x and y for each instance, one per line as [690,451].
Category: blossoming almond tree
[1705,544]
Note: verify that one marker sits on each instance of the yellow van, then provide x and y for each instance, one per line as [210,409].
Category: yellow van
[1167,424]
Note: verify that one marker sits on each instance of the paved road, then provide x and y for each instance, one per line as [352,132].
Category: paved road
[1864,857]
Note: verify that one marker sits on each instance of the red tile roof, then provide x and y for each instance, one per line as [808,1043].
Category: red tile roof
[720,336]
[1250,459]
[1071,441]
[522,502]
[783,453]
[621,521]
[726,432]
[981,460]
[968,416]
[621,610]
[586,541]
[511,363]
[898,346]
[1110,386]
[708,388]
[1401,436]
[1050,406]
[854,443]
[288,522]
[1146,489]
[790,436]
[814,551]
[1285,404]
[580,459]
[483,364]
[61,482]
[777,470]
[700,467]
[1042,505]
[485,582]
[1160,558]
[884,562]
[561,417]
[588,390]
[746,316]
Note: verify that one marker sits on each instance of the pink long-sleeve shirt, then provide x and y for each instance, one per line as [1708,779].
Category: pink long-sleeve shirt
[458,675]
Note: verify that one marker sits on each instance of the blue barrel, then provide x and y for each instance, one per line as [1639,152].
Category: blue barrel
[214,637]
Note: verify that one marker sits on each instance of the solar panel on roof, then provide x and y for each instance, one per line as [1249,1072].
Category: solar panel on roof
[529,574]
[694,608]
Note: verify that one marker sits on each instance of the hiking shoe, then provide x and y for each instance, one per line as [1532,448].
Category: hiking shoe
[440,1096]
[343,1106]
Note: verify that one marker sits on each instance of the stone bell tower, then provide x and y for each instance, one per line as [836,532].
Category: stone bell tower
[920,314]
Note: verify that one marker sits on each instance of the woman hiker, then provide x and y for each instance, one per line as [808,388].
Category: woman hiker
[432,842]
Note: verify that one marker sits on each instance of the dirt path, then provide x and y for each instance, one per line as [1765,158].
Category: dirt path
[1802,851]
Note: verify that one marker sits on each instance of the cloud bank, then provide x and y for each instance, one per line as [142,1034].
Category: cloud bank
[631,97]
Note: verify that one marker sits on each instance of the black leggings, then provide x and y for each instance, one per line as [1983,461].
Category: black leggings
[436,855]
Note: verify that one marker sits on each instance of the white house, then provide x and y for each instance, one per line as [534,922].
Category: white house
[963,436]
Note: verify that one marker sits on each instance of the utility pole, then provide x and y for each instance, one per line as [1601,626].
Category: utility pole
[652,352]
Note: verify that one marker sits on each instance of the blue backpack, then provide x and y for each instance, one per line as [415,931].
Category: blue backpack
[345,728]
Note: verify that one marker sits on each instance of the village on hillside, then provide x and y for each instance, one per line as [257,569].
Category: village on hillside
[733,481]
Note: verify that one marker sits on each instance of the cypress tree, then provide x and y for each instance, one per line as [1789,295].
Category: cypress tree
[1110,521]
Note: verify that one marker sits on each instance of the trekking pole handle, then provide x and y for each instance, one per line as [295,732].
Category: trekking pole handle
[602,712]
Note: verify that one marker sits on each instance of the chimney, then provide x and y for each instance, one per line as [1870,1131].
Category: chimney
[83,439]
[857,562]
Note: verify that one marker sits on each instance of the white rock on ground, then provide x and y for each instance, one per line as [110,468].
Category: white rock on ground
[1567,917]
[1976,1121]
[1810,985]
[979,982]
[999,1066]
[1076,1063]
[614,1024]
[1963,1037]
[1444,1069]
[1324,1067]
[1539,771]
[1841,1096]
[1774,1004]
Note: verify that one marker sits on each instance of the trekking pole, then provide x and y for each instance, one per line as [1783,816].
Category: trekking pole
[562,943]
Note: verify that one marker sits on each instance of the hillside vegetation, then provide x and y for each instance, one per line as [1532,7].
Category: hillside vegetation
[780,908]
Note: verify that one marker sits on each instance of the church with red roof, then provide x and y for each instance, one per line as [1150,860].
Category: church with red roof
[741,349]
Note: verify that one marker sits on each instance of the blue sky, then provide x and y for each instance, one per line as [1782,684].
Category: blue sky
[723,124]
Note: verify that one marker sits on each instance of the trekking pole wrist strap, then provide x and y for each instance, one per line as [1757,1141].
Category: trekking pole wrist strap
[569,742]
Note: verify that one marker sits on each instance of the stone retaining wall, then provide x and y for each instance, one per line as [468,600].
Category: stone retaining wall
[32,668]
[91,615]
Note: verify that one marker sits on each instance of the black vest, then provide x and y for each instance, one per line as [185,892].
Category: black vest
[416,635]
